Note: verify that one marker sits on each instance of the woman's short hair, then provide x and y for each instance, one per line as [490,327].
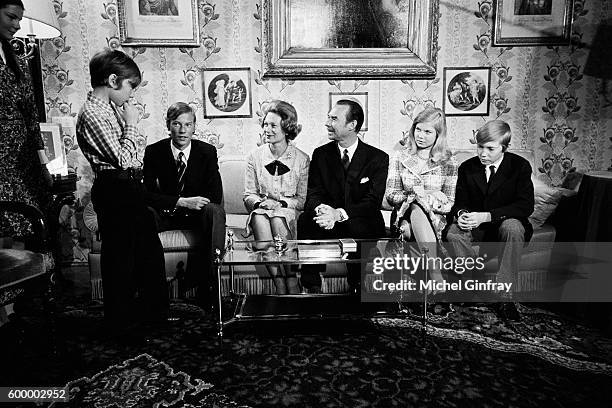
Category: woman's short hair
[288,116]
[435,116]
[177,109]
[495,131]
[107,62]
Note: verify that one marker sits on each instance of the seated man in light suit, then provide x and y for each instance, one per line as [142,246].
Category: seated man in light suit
[182,179]
[346,184]
[493,199]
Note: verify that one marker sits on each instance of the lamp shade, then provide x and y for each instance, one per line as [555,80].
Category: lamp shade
[39,19]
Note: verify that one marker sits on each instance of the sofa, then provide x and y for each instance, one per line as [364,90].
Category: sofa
[255,279]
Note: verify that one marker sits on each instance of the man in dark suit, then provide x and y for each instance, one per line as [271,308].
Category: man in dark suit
[184,188]
[346,184]
[493,198]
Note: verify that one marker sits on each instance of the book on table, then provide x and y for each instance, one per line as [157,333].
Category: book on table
[327,250]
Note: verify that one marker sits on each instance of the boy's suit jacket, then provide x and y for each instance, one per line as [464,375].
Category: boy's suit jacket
[202,176]
[360,192]
[510,194]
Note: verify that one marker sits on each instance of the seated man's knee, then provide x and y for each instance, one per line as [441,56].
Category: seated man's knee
[215,211]
[511,229]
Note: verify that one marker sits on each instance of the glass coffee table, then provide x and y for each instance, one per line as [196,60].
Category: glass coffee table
[302,306]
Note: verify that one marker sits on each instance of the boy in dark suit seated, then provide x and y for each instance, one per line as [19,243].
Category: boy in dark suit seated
[346,184]
[493,199]
[182,178]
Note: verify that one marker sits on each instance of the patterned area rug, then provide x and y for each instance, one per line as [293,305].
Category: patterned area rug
[468,356]
[143,382]
[540,333]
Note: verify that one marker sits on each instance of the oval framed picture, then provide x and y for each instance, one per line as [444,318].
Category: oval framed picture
[466,91]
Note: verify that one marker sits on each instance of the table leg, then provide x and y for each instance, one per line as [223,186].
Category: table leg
[426,276]
[219,308]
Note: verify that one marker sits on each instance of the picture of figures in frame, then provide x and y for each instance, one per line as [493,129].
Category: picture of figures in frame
[466,91]
[227,92]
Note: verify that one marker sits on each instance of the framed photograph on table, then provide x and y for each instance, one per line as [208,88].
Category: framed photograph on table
[51,134]
[532,22]
[466,91]
[159,23]
[359,97]
[227,92]
[349,38]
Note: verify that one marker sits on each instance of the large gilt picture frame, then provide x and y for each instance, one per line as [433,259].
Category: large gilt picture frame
[532,22]
[162,23]
[314,39]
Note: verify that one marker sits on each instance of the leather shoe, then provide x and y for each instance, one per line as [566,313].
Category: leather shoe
[507,311]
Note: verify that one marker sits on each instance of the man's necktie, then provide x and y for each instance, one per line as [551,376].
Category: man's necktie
[180,172]
[492,168]
[345,160]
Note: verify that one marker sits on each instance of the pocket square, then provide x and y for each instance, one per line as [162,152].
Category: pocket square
[364,180]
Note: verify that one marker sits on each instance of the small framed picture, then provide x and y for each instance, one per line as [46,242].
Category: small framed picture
[359,97]
[227,92]
[467,91]
[532,22]
[159,23]
[51,134]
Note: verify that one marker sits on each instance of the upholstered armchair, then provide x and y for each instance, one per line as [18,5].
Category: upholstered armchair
[26,264]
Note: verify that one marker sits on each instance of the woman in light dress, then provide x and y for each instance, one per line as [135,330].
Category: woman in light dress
[276,181]
[421,182]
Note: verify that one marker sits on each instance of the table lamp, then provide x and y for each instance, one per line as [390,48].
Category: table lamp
[39,22]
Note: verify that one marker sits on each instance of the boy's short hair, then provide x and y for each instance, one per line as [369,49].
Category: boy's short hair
[107,62]
[177,109]
[495,131]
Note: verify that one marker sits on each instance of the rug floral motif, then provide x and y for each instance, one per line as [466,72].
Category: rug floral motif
[540,333]
[143,381]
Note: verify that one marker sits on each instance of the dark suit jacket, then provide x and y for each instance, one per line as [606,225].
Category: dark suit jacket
[510,194]
[360,192]
[202,176]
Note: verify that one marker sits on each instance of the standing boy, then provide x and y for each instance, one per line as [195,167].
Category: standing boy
[132,260]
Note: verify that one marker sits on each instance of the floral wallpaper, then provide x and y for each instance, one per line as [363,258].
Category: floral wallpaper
[552,107]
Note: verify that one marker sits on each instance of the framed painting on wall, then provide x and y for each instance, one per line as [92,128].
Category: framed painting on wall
[466,91]
[359,97]
[159,23]
[349,38]
[532,22]
[227,92]
[51,134]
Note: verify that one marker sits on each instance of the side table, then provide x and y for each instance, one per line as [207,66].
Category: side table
[63,193]
[595,206]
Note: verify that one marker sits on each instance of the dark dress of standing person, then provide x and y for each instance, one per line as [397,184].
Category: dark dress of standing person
[132,258]
[23,175]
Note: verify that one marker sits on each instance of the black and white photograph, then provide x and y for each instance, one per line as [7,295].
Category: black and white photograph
[305,203]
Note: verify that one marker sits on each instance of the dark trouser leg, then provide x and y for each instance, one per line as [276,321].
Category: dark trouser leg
[131,255]
[212,224]
[461,242]
[308,229]
[511,236]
